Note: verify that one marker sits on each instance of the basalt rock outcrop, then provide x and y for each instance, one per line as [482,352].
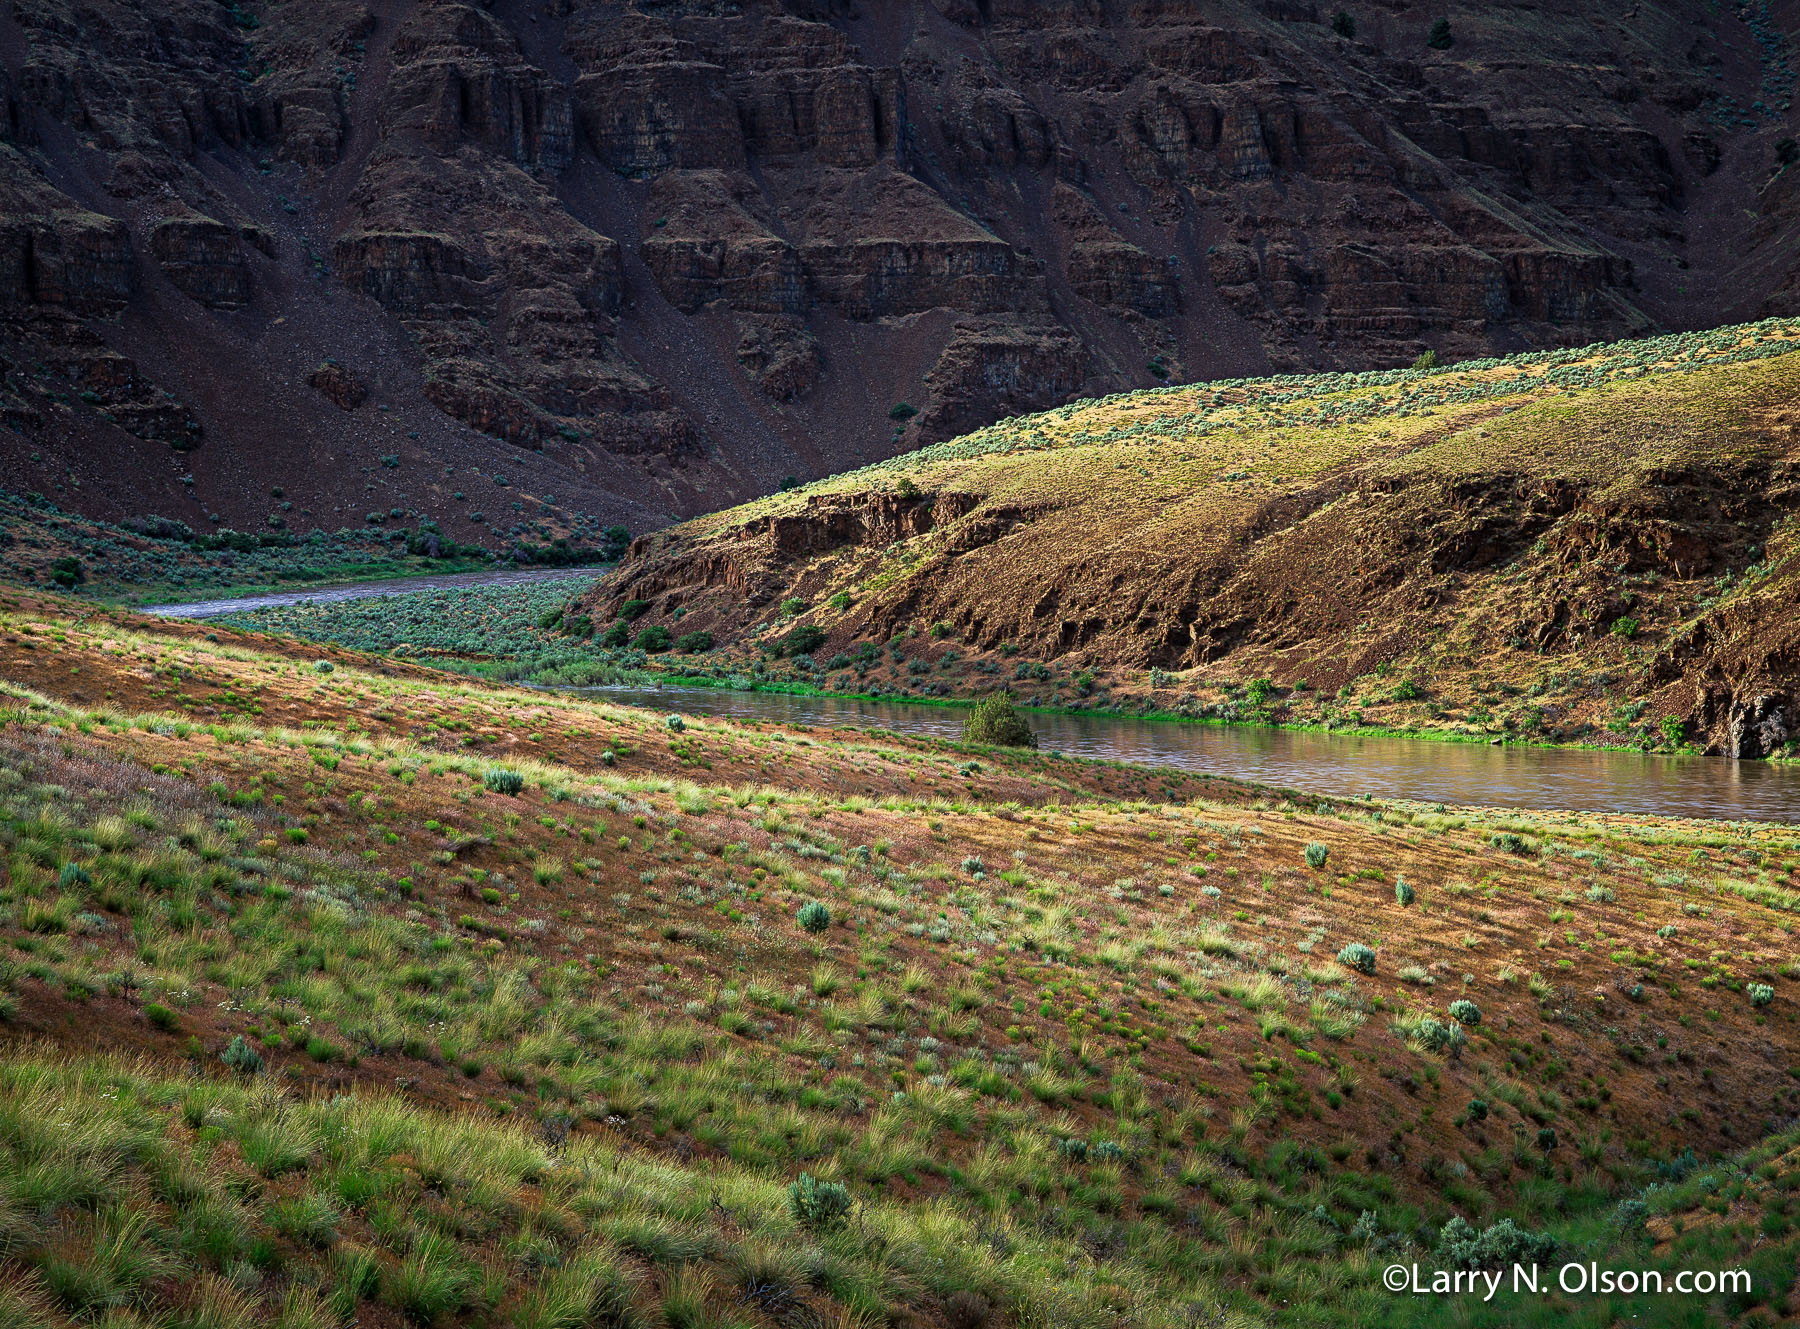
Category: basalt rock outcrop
[663,255]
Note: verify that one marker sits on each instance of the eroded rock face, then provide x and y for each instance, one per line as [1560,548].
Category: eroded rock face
[342,388]
[204,258]
[995,367]
[1757,727]
[702,246]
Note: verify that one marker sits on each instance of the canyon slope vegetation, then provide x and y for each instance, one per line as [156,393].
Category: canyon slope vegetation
[1586,545]
[337,991]
[280,265]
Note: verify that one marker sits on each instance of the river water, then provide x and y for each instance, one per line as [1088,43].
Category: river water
[1338,765]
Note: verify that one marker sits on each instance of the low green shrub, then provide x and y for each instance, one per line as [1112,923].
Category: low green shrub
[814,916]
[500,780]
[241,1057]
[1358,956]
[817,1204]
[1500,1246]
[1316,854]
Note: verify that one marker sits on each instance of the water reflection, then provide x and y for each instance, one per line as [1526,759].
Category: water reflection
[1471,773]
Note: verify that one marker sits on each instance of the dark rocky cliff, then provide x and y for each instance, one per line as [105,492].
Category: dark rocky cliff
[640,260]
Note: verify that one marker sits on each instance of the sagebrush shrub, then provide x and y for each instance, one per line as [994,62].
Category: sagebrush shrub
[1465,1011]
[817,1204]
[503,781]
[814,916]
[1498,1247]
[1358,956]
[1435,1035]
[1316,854]
[241,1057]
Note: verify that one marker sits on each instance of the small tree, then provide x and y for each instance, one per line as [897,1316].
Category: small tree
[653,639]
[1343,24]
[1428,359]
[995,720]
[803,640]
[1439,38]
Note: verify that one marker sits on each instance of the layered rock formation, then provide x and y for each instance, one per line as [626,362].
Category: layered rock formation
[659,256]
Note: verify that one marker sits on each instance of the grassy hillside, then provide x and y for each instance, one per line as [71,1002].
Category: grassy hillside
[337,988]
[1581,546]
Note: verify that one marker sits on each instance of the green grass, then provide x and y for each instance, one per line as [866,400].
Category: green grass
[493,631]
[1043,1081]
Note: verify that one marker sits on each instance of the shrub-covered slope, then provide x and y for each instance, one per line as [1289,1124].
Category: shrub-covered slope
[1591,545]
[446,1002]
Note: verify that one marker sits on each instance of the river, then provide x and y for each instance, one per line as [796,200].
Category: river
[1343,766]
[1338,765]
